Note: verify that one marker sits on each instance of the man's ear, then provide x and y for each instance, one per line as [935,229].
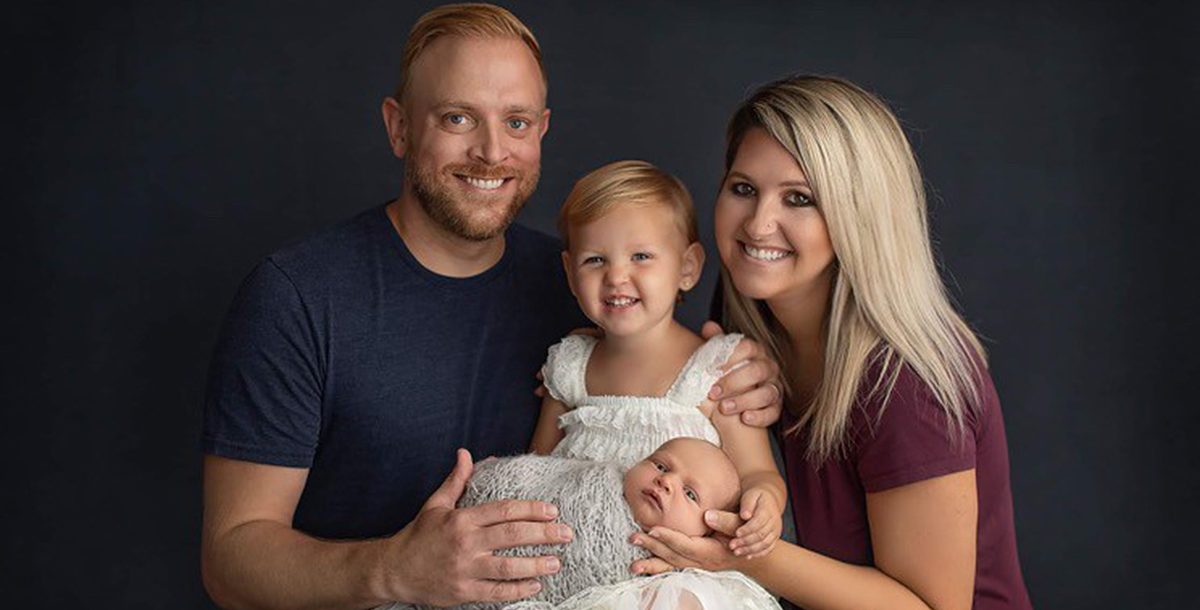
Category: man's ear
[394,121]
[566,261]
[693,265]
[545,126]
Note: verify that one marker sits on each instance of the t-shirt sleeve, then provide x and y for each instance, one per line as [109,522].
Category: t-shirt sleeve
[912,441]
[263,401]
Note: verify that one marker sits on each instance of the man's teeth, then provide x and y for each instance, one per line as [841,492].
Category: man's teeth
[486,185]
[620,302]
[765,254]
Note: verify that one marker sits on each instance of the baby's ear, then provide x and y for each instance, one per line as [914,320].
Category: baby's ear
[692,267]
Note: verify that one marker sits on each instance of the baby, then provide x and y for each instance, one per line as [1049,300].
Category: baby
[605,504]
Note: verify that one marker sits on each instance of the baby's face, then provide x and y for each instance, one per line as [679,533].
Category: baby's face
[678,482]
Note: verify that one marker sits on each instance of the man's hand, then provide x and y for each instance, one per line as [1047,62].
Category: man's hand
[750,385]
[446,555]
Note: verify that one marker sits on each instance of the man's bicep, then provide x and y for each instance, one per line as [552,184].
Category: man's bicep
[237,492]
[265,384]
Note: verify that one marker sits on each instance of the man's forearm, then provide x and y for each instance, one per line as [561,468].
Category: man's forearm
[268,565]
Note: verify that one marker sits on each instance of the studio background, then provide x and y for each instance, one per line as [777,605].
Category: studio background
[158,151]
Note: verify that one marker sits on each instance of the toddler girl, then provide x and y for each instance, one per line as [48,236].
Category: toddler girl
[630,250]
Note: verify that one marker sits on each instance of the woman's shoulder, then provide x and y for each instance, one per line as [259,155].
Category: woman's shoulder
[899,432]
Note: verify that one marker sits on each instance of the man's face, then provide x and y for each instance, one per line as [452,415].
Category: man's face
[471,131]
[678,482]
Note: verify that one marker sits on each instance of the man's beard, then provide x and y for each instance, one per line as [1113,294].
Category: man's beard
[453,211]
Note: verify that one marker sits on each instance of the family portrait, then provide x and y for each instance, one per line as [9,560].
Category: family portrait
[587,306]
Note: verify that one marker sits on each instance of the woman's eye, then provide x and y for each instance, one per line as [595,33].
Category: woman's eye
[641,256]
[741,189]
[797,199]
[691,495]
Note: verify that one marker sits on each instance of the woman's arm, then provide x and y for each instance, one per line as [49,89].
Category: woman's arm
[547,434]
[763,493]
[922,535]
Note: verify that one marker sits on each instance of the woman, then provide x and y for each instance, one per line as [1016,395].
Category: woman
[895,450]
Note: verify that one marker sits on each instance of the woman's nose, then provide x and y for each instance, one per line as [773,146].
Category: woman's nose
[762,223]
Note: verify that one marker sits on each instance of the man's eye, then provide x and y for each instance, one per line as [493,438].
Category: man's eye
[456,119]
[641,256]
[797,199]
[691,495]
[517,124]
[741,189]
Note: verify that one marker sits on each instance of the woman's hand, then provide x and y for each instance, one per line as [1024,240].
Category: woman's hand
[750,385]
[764,524]
[674,550]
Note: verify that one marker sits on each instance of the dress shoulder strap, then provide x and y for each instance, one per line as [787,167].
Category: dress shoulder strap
[702,370]
[566,365]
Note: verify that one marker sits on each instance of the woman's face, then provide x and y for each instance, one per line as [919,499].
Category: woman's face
[769,230]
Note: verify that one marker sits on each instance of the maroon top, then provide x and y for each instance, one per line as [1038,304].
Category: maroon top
[909,444]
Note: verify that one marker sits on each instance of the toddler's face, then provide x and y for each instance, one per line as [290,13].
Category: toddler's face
[626,267]
[678,482]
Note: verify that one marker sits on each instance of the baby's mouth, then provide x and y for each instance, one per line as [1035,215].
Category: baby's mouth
[653,498]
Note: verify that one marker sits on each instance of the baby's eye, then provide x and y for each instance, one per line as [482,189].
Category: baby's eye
[659,466]
[741,189]
[796,199]
[593,260]
[691,494]
[641,256]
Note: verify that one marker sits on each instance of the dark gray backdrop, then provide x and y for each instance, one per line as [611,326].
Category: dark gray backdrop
[157,151]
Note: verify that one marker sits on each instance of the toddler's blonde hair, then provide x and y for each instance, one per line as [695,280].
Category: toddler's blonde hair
[621,183]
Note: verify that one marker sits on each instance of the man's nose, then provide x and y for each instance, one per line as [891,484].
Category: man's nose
[491,145]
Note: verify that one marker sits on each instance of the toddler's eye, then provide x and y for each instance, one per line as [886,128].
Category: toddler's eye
[641,256]
[741,189]
[691,495]
[796,199]
[593,260]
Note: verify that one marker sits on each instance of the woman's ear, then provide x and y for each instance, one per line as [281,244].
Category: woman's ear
[693,265]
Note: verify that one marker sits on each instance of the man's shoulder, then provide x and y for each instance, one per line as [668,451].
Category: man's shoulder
[534,244]
[333,249]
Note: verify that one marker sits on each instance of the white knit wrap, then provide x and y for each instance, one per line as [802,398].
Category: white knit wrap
[590,499]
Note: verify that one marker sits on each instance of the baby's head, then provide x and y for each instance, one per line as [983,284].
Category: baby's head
[673,486]
[630,245]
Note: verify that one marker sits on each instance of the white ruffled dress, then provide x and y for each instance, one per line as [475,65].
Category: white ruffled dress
[626,429]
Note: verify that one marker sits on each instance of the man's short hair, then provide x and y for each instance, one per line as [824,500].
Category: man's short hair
[626,183]
[471,20]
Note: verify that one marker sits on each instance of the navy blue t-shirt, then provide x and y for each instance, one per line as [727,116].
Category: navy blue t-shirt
[342,354]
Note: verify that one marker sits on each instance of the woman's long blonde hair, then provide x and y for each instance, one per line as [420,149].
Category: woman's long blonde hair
[888,307]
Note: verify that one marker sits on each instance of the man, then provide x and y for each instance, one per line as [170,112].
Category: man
[353,364]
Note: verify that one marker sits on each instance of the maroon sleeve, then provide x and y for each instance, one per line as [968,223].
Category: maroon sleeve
[912,441]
